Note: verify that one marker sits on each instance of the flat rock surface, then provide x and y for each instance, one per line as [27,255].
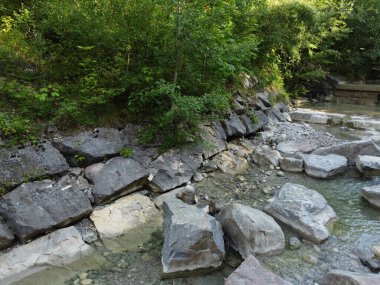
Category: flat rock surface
[368,165]
[193,240]
[250,231]
[58,249]
[339,277]
[176,167]
[251,272]
[29,163]
[228,162]
[304,210]
[351,150]
[37,207]
[372,195]
[128,222]
[290,164]
[89,147]
[293,147]
[324,166]
[116,177]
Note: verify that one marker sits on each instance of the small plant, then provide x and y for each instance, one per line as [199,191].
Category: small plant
[79,158]
[126,152]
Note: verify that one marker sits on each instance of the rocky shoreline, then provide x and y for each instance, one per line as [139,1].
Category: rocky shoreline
[96,194]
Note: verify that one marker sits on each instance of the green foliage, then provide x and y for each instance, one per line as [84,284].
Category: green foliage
[169,63]
[126,152]
[79,158]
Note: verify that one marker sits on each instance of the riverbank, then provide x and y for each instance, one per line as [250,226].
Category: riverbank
[227,170]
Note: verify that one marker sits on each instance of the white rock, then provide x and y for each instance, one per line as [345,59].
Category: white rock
[324,166]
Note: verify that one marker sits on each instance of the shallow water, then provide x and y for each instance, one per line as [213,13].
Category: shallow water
[349,109]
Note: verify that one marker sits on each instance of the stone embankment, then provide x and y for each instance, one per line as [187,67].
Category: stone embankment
[72,191]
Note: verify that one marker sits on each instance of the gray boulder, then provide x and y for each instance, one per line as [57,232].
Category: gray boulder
[233,126]
[372,195]
[324,167]
[367,250]
[89,147]
[276,113]
[60,249]
[261,120]
[264,98]
[38,207]
[29,163]
[116,177]
[213,140]
[250,231]
[175,168]
[351,150]
[290,164]
[340,277]
[251,272]
[6,236]
[267,157]
[294,147]
[186,190]
[249,125]
[193,240]
[368,165]
[304,210]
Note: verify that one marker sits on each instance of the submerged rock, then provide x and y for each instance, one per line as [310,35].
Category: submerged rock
[58,249]
[193,240]
[251,272]
[304,210]
[340,277]
[368,165]
[366,250]
[175,168]
[116,177]
[324,166]
[29,163]
[90,147]
[372,195]
[351,150]
[128,222]
[250,231]
[37,207]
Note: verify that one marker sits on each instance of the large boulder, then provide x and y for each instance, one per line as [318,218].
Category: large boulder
[38,207]
[251,272]
[214,140]
[250,231]
[90,147]
[261,120]
[267,157]
[264,97]
[291,164]
[128,222]
[340,277]
[351,150]
[228,162]
[372,195]
[193,240]
[368,165]
[324,166]
[61,248]
[6,236]
[29,163]
[294,147]
[367,250]
[116,177]
[304,210]
[175,168]
[233,126]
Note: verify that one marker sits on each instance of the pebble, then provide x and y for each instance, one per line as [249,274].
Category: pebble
[280,174]
[310,259]
[294,242]
[86,282]
[376,250]
[83,276]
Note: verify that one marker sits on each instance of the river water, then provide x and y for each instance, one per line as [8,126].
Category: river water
[303,266]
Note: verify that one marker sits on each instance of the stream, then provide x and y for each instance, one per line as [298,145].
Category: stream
[305,265]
